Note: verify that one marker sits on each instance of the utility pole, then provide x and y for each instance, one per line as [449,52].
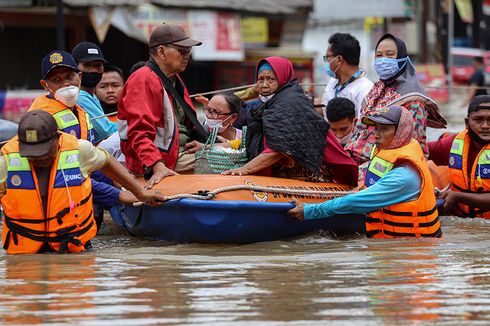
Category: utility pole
[450,37]
[60,25]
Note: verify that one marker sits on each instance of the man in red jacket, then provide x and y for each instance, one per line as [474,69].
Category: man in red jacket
[154,124]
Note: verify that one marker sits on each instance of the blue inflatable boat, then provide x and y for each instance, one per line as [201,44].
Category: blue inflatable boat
[235,216]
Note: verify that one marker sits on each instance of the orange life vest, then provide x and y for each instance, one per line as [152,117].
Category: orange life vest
[78,124]
[464,178]
[416,218]
[68,222]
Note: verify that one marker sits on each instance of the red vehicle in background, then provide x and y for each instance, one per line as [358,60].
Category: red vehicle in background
[462,68]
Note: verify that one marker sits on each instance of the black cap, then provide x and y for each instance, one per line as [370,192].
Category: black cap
[56,59]
[37,133]
[477,103]
[86,52]
[386,116]
[171,34]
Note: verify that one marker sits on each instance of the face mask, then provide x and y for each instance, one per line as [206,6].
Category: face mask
[108,108]
[213,123]
[329,70]
[67,95]
[265,98]
[345,139]
[473,135]
[389,67]
[91,79]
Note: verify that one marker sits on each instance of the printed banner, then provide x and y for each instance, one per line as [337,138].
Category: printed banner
[220,34]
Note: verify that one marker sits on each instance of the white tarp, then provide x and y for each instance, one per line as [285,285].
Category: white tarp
[348,9]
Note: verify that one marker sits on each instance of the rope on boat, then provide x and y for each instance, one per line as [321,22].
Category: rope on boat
[207,195]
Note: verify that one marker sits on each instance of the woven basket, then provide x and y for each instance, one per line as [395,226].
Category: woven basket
[213,161]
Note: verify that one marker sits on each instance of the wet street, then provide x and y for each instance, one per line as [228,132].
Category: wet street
[307,281]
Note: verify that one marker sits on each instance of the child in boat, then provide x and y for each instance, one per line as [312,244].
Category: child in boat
[398,196]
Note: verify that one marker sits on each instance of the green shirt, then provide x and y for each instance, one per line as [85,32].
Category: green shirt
[183,131]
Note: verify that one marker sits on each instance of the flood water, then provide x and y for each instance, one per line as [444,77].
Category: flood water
[311,280]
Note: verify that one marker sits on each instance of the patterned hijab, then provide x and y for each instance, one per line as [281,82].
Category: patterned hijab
[404,130]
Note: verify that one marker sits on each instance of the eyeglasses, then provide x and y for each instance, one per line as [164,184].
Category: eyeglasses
[213,113]
[327,57]
[184,50]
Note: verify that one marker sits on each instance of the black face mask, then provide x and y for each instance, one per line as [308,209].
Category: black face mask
[476,138]
[108,108]
[91,79]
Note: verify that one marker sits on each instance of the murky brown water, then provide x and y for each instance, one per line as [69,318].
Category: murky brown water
[126,281]
[312,280]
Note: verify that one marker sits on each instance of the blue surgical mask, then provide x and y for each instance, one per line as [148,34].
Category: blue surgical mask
[389,67]
[329,70]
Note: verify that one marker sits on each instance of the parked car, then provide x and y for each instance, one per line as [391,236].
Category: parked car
[462,68]
[8,130]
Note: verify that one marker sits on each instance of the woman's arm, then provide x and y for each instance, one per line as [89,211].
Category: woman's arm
[264,160]
[399,185]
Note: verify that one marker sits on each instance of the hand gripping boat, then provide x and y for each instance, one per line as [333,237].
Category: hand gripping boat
[234,209]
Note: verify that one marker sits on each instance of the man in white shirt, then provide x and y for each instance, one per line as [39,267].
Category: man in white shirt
[342,65]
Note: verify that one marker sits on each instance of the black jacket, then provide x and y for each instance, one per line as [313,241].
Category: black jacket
[290,126]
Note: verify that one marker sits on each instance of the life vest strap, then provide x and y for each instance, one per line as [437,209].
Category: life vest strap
[423,213]
[400,224]
[62,213]
[64,236]
[436,234]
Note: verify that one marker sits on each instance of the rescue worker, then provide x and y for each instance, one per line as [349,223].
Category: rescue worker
[468,155]
[46,191]
[61,78]
[90,61]
[398,197]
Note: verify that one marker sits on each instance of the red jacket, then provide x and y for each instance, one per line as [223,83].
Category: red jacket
[147,124]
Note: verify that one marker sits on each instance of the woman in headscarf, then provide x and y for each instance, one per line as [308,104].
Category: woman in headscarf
[286,136]
[398,196]
[397,84]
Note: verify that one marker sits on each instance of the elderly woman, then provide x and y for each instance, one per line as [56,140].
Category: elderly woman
[221,111]
[286,136]
[397,84]
[398,197]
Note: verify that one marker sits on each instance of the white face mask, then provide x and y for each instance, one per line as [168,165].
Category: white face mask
[67,95]
[213,123]
[265,98]
[345,139]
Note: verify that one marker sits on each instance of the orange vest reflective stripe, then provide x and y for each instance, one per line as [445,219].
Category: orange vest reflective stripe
[416,218]
[78,125]
[464,178]
[68,223]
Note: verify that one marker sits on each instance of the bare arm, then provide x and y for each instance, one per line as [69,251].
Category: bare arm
[118,173]
[261,162]
[451,198]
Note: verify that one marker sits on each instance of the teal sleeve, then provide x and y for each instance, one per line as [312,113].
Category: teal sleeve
[103,127]
[399,185]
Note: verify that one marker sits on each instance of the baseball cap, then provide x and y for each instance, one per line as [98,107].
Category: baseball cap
[86,52]
[387,116]
[56,59]
[37,133]
[171,34]
[477,101]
